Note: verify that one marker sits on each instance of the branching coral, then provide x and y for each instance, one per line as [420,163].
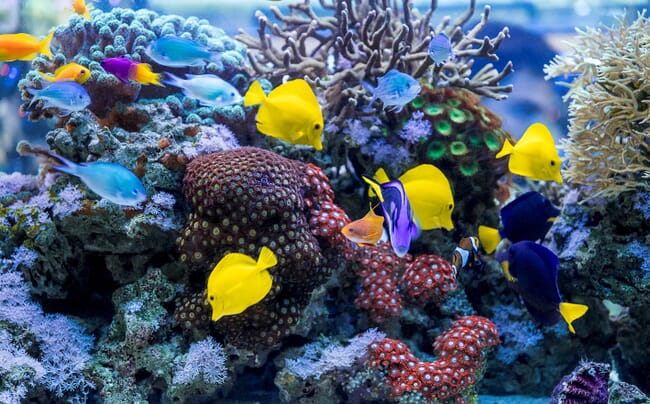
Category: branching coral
[363,40]
[608,149]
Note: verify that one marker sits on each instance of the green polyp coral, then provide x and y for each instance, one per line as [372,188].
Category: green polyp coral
[608,149]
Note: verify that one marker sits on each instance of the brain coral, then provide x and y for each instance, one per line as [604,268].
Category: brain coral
[244,199]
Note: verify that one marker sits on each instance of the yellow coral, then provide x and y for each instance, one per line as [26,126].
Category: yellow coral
[608,145]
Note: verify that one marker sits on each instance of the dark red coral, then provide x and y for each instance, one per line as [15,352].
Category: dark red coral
[247,198]
[461,352]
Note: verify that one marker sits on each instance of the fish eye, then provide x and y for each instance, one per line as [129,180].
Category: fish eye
[135,192]
[351,230]
[451,206]
[317,126]
[232,94]
[212,298]
[82,71]
[552,162]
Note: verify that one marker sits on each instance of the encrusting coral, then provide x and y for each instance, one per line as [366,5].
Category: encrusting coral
[242,200]
[607,150]
[362,41]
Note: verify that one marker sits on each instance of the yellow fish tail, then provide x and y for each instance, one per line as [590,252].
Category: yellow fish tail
[489,238]
[46,77]
[267,259]
[507,149]
[571,312]
[44,45]
[255,94]
[144,75]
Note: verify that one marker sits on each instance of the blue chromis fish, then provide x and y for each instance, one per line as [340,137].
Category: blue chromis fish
[534,155]
[290,112]
[66,96]
[238,282]
[366,231]
[180,52]
[440,50]
[207,88]
[531,270]
[421,199]
[395,89]
[108,180]
[528,217]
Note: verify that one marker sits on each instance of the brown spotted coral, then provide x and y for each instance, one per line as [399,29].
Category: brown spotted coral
[244,199]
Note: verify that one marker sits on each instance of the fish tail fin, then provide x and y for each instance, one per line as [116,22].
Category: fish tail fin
[25,149]
[267,259]
[144,75]
[46,77]
[35,97]
[44,45]
[173,80]
[507,149]
[571,312]
[255,94]
[489,238]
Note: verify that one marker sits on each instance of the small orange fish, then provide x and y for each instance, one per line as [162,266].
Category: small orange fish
[23,47]
[366,231]
[80,7]
[70,72]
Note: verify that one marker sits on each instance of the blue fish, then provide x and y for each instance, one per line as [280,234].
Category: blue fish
[397,212]
[395,89]
[108,180]
[66,96]
[180,52]
[207,88]
[528,217]
[531,270]
[440,50]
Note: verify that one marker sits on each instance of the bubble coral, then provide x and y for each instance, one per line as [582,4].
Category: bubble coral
[607,150]
[246,198]
[461,351]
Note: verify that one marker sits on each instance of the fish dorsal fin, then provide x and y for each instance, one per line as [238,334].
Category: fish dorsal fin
[232,259]
[295,88]
[506,211]
[255,94]
[571,312]
[380,178]
[375,188]
[535,134]
[429,192]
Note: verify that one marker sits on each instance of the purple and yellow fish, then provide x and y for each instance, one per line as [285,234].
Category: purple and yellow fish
[126,69]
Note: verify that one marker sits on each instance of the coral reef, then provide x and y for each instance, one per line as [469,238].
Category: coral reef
[363,40]
[586,384]
[461,351]
[247,198]
[607,148]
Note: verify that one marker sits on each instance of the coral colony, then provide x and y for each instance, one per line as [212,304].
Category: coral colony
[104,279]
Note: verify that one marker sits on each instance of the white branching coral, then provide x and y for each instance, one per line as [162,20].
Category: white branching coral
[608,145]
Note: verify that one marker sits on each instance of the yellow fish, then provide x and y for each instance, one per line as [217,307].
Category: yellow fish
[70,72]
[366,231]
[238,282]
[534,155]
[143,74]
[290,112]
[80,7]
[23,47]
[429,193]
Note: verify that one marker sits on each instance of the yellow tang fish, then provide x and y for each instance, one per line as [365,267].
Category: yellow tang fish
[80,7]
[70,71]
[23,47]
[290,112]
[238,282]
[366,231]
[534,155]
[429,193]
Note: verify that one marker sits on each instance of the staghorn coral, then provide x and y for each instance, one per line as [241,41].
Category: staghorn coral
[363,40]
[608,146]
[461,351]
[247,198]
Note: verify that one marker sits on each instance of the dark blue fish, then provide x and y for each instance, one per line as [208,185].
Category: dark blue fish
[531,270]
[440,50]
[529,217]
[398,214]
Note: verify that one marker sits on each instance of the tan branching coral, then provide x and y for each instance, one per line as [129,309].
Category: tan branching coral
[608,145]
[364,39]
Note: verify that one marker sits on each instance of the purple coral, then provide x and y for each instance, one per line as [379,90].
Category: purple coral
[205,358]
[587,384]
